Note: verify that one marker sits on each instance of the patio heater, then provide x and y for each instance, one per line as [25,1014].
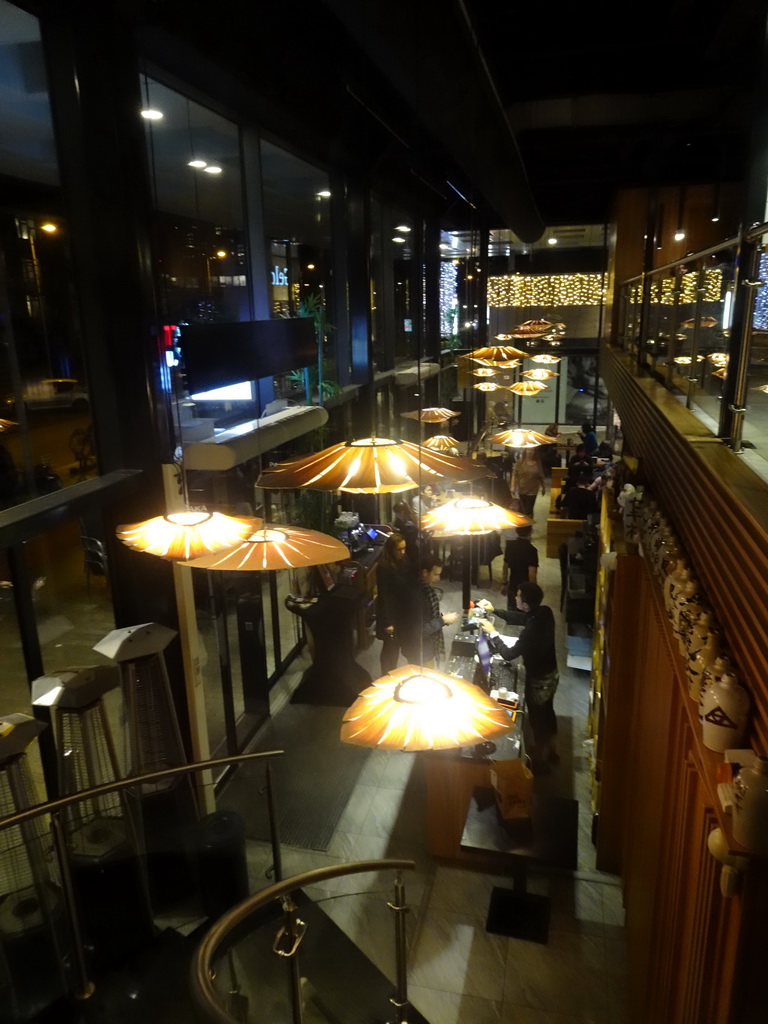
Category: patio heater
[102,835]
[34,943]
[168,808]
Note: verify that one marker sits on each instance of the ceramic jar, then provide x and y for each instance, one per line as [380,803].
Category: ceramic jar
[688,608]
[669,553]
[632,513]
[702,629]
[701,663]
[679,575]
[713,673]
[750,811]
[724,713]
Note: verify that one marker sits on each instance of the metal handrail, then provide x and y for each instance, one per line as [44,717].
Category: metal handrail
[201,970]
[53,806]
[85,986]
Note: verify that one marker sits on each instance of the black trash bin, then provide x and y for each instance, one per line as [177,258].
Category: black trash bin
[221,862]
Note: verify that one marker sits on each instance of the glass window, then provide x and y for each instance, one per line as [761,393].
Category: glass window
[298,228]
[755,432]
[46,438]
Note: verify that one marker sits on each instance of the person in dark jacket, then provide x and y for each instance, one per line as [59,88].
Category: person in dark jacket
[588,437]
[536,646]
[395,600]
[425,645]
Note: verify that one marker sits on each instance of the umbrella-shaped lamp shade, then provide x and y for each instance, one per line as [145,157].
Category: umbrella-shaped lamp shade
[719,358]
[496,365]
[414,708]
[484,371]
[277,547]
[370,465]
[541,374]
[546,358]
[441,442]
[526,388]
[472,515]
[763,387]
[7,424]
[180,536]
[432,414]
[521,438]
[533,328]
[497,353]
[704,321]
[488,385]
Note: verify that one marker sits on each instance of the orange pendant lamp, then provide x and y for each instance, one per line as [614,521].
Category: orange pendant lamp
[541,374]
[527,388]
[370,465]
[519,438]
[180,536]
[432,414]
[441,442]
[471,516]
[413,708]
[276,547]
[497,353]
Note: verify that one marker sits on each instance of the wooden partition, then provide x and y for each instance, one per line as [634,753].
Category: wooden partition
[693,953]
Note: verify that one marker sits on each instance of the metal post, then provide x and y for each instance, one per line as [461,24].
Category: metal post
[693,377]
[274,833]
[85,987]
[738,407]
[286,944]
[400,998]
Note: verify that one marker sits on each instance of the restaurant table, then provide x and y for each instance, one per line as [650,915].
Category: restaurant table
[549,838]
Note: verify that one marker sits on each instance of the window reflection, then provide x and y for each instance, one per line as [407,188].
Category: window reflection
[44,399]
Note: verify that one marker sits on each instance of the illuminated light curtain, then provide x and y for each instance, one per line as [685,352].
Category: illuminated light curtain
[369,466]
[548,290]
[663,292]
[413,708]
[277,547]
[180,536]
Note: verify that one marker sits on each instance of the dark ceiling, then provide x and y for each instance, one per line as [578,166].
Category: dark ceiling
[604,96]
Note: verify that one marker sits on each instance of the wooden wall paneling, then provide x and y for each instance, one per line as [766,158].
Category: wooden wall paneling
[719,509]
[644,834]
[620,681]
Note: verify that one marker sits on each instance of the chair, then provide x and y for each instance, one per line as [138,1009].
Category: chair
[94,559]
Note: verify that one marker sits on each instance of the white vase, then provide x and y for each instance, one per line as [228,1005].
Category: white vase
[724,713]
[701,663]
[750,810]
[702,630]
[689,608]
[679,575]
[686,595]
[713,673]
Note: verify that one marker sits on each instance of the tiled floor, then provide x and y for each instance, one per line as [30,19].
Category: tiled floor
[458,972]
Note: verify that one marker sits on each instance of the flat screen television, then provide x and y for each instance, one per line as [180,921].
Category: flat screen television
[219,354]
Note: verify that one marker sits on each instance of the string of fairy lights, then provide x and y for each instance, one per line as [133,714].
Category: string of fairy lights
[546,290]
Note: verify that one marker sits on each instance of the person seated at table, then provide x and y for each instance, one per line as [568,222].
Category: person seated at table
[425,646]
[425,500]
[581,499]
[536,646]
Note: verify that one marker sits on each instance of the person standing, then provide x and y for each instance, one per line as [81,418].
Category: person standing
[404,522]
[521,563]
[395,586]
[425,645]
[588,438]
[536,646]
[528,479]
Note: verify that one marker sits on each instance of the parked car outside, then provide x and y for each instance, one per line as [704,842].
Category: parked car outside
[54,393]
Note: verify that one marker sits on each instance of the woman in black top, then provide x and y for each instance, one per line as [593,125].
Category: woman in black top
[395,600]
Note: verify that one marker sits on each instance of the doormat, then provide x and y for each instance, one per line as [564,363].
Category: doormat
[313,780]
[518,915]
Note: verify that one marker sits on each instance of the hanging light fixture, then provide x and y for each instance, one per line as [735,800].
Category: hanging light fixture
[519,438]
[488,386]
[721,372]
[441,442]
[704,321]
[544,357]
[179,536]
[484,371]
[469,516]
[369,465]
[534,328]
[497,353]
[432,414]
[763,387]
[539,374]
[7,424]
[276,547]
[413,708]
[719,358]
[527,388]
